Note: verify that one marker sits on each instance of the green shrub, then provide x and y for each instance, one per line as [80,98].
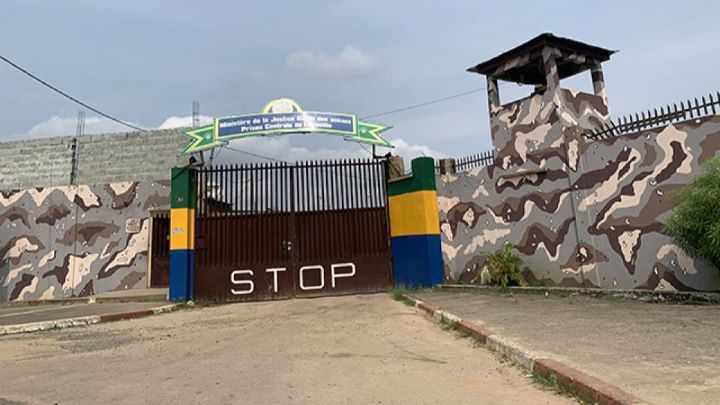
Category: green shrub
[695,222]
[504,267]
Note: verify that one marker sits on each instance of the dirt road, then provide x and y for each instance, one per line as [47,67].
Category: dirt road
[342,350]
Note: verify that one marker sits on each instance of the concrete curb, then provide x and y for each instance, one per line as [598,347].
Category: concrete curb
[83,320]
[86,300]
[675,297]
[583,385]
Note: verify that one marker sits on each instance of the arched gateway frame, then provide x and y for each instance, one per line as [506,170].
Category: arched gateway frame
[279,230]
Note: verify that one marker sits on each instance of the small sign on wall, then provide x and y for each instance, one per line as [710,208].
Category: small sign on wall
[133,225]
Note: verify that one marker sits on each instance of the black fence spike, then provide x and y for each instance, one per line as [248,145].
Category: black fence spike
[690,109]
[681,112]
[613,128]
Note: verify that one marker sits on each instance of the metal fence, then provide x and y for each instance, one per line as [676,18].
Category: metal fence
[258,188]
[485,158]
[654,118]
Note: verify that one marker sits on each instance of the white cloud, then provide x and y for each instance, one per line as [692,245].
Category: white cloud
[279,147]
[64,126]
[349,63]
[409,152]
[184,122]
[61,126]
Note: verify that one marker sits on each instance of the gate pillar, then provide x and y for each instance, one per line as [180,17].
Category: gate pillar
[182,233]
[415,226]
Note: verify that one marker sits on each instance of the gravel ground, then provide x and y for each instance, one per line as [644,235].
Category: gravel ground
[341,350]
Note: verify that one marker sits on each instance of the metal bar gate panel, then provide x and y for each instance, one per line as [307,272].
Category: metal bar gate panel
[277,230]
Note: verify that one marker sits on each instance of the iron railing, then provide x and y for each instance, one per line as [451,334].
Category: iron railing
[480,159]
[655,118]
[257,188]
[468,162]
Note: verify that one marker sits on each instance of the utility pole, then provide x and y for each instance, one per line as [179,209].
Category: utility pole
[196,114]
[79,132]
[196,123]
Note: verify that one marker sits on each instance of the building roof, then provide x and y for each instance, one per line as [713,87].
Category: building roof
[507,65]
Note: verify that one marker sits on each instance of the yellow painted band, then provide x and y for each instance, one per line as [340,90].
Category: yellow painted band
[414,213]
[182,228]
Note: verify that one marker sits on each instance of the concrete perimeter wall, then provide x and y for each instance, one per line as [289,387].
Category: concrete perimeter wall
[103,158]
[588,216]
[65,241]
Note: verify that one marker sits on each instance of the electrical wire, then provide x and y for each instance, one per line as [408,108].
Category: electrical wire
[423,104]
[73,99]
[119,121]
[397,110]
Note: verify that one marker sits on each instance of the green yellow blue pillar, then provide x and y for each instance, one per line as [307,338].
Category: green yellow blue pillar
[415,227]
[182,233]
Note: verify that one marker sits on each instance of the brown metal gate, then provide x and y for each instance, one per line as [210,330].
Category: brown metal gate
[278,230]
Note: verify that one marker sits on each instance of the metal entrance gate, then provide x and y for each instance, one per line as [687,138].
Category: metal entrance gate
[266,231]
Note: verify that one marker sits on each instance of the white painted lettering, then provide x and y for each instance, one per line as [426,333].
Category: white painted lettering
[313,287]
[334,275]
[275,276]
[235,281]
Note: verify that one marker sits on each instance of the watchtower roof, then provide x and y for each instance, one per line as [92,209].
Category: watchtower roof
[524,63]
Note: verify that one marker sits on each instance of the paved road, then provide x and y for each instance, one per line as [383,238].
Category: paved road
[51,312]
[661,353]
[343,350]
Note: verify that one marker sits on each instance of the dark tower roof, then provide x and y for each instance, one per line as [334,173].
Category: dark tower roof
[523,64]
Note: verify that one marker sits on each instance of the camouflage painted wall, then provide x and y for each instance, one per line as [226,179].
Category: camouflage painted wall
[72,241]
[583,213]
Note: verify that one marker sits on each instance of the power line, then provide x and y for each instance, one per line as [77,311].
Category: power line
[55,89]
[423,104]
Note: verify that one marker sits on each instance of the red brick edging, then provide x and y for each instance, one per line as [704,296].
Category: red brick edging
[585,386]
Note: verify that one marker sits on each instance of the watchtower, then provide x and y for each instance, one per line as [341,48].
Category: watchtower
[529,128]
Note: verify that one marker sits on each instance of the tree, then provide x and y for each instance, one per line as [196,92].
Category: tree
[695,222]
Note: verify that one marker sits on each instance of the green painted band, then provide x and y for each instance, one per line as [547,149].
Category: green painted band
[182,188]
[422,178]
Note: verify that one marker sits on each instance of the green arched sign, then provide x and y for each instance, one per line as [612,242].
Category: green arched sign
[282,117]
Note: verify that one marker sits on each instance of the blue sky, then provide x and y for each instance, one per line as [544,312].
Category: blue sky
[147,61]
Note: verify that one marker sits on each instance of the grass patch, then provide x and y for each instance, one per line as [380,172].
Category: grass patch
[549,381]
[454,327]
[448,324]
[401,293]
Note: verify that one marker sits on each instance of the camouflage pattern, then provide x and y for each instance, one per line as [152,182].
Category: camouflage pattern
[68,241]
[583,213]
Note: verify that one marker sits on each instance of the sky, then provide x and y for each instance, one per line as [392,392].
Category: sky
[146,61]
